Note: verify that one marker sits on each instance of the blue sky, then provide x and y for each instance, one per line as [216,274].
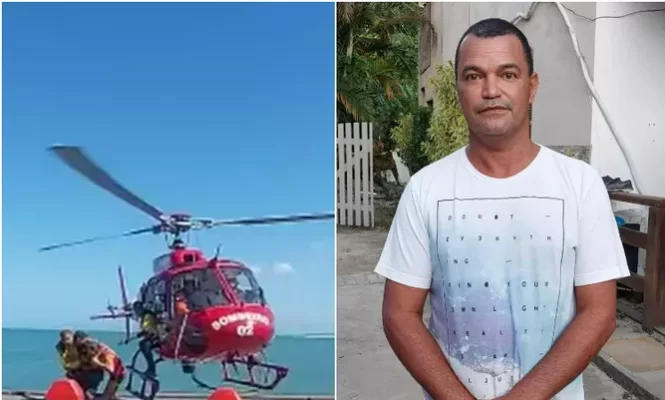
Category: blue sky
[219,110]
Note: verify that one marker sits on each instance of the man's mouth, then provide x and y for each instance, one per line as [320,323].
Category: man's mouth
[493,109]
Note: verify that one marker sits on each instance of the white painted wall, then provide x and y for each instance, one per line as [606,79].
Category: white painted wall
[403,174]
[402,170]
[628,69]
[628,75]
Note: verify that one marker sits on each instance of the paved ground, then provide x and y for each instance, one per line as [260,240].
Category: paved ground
[358,250]
[366,365]
[636,358]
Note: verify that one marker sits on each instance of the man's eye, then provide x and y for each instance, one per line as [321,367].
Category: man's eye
[510,75]
[472,76]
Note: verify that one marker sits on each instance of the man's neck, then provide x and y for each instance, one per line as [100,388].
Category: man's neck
[504,161]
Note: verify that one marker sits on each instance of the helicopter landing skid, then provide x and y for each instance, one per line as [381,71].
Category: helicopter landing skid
[259,375]
[203,385]
[148,382]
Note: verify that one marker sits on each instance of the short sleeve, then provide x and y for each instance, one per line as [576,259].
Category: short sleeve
[406,255]
[600,256]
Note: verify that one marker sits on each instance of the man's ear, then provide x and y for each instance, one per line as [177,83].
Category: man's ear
[534,81]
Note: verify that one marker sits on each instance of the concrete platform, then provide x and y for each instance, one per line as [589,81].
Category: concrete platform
[635,360]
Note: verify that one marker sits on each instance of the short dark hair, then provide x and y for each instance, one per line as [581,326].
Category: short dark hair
[494,27]
[65,332]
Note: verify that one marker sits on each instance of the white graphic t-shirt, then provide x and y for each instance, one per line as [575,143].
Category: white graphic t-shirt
[501,258]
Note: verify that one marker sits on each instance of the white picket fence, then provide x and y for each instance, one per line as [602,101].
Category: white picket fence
[355,178]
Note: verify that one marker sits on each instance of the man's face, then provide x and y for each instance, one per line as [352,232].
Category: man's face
[494,86]
[68,338]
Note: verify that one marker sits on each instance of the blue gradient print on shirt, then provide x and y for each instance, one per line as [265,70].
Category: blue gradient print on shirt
[496,286]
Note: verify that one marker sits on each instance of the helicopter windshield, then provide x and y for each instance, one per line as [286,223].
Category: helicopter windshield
[200,287]
[244,284]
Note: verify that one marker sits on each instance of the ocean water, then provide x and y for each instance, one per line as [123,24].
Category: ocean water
[30,362]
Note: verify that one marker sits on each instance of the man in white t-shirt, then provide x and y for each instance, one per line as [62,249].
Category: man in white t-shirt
[516,244]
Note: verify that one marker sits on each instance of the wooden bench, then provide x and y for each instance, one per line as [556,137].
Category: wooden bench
[652,284]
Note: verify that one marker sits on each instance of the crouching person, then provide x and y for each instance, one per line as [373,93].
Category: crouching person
[95,354]
[87,378]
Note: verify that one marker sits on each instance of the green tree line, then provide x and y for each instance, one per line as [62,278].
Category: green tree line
[377,81]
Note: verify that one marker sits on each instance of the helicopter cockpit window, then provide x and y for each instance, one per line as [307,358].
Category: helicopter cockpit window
[160,296]
[201,289]
[154,296]
[244,285]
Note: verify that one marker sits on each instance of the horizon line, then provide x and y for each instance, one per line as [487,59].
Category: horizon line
[330,334]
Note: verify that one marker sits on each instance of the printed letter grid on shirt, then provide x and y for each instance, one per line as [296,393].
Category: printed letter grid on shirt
[488,296]
[501,258]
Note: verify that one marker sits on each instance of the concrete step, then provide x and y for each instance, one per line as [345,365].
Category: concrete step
[635,360]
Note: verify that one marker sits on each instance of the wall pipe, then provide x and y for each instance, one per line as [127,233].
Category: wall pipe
[592,89]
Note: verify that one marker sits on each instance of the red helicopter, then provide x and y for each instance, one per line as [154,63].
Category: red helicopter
[201,310]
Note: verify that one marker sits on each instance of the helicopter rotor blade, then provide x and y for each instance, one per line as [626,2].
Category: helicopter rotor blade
[96,239]
[267,220]
[76,159]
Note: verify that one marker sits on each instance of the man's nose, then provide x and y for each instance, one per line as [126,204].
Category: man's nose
[490,88]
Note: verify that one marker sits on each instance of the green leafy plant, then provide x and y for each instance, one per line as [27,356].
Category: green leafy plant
[409,136]
[377,60]
[448,130]
[377,70]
